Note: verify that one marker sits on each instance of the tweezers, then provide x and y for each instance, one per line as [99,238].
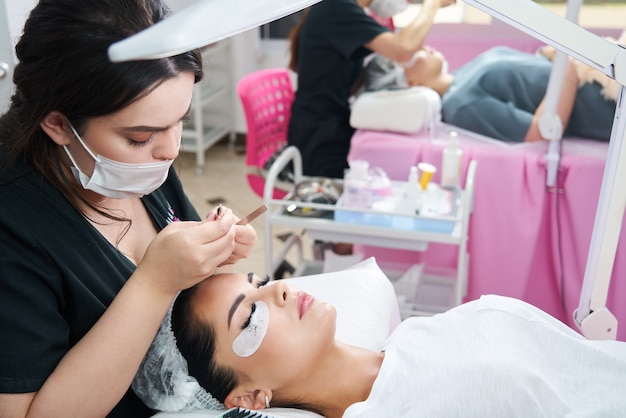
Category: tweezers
[252,215]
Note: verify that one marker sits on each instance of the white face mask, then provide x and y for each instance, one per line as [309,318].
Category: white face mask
[387,8]
[119,180]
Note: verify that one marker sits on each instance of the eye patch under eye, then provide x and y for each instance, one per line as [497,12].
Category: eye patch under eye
[250,338]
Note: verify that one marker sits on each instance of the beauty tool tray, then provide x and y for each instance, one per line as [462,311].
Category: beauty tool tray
[435,210]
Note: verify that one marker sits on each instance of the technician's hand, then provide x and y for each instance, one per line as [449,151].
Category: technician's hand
[245,240]
[184,253]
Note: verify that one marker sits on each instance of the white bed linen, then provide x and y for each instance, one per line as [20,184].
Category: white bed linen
[495,357]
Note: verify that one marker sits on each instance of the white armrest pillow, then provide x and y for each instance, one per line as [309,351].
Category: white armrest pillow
[367,312]
[406,110]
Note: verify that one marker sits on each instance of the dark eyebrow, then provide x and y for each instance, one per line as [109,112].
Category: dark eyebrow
[234,307]
[144,128]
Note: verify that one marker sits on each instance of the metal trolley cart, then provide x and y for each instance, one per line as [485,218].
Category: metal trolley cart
[356,226]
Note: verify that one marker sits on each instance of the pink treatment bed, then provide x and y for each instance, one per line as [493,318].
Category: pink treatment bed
[525,240]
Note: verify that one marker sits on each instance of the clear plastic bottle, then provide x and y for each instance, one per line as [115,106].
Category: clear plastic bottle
[451,162]
[380,185]
[356,185]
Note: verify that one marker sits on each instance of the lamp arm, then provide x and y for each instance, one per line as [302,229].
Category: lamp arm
[592,316]
[202,23]
[551,129]
[564,35]
[550,124]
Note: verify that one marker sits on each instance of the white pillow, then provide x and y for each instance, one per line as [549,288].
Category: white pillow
[367,307]
[407,110]
[367,312]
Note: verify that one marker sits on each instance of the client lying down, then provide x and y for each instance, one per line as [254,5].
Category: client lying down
[251,344]
[500,93]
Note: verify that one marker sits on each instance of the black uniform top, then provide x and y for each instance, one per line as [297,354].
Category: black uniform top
[330,59]
[58,275]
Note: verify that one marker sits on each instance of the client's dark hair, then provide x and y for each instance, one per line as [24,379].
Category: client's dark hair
[195,339]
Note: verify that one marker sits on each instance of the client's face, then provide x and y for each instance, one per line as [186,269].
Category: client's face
[428,65]
[265,330]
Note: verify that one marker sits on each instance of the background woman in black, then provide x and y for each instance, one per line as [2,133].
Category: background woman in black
[327,52]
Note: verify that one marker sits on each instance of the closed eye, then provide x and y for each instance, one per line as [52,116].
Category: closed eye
[142,142]
[263,282]
[249,320]
[260,283]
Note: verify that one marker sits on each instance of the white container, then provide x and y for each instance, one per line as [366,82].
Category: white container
[356,185]
[451,162]
[380,185]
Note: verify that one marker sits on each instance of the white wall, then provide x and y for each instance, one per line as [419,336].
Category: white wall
[12,17]
[252,54]
[177,5]
[249,54]
[17,11]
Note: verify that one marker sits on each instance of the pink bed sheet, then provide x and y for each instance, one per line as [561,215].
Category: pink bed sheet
[524,241]
[462,42]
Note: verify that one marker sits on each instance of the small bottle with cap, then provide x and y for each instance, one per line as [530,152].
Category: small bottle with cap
[356,185]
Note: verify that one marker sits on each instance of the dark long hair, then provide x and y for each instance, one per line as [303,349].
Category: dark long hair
[294,41]
[195,339]
[63,66]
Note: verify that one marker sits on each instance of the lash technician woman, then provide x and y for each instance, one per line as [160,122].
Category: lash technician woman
[327,51]
[96,234]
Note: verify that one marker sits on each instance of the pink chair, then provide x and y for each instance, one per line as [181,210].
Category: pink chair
[266,96]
